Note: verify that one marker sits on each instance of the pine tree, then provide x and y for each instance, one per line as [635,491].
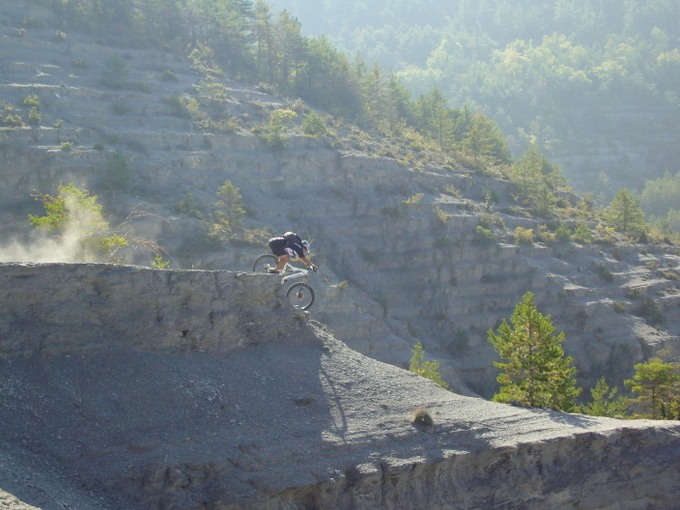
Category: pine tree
[537,373]
[605,402]
[657,385]
[230,205]
[625,213]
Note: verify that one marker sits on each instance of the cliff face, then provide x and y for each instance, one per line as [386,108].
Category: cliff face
[394,233]
[206,390]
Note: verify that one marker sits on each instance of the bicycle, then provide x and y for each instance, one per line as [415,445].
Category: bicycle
[300,294]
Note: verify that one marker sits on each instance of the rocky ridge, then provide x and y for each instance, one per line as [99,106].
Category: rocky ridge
[393,271]
[137,388]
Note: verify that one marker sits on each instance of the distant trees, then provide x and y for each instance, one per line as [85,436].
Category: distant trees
[554,73]
[537,373]
[250,42]
[660,200]
[536,179]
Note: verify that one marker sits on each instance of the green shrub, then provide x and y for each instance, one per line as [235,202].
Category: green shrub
[524,235]
[582,234]
[187,206]
[426,369]
[32,101]
[563,234]
[278,120]
[159,263]
[313,125]
[484,235]
[34,117]
[11,120]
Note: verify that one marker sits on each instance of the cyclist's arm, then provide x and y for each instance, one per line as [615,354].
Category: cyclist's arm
[306,261]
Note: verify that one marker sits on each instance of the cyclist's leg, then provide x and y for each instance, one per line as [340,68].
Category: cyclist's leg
[283,260]
[278,248]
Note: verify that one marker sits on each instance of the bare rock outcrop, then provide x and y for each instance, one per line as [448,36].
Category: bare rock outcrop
[126,387]
[395,232]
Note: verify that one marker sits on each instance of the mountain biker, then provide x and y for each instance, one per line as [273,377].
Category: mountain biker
[289,245]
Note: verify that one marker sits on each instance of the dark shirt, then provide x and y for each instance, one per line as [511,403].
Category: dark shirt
[279,244]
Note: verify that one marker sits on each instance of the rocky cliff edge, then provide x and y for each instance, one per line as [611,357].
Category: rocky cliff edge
[125,387]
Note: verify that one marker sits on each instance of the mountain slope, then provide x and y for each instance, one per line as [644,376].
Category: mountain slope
[136,388]
[394,231]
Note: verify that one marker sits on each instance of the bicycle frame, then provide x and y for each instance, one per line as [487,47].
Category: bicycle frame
[296,272]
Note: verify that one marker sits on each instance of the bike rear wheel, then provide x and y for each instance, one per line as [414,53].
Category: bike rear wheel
[301,296]
[265,262]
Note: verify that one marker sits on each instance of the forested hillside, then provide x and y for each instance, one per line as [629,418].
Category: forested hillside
[595,83]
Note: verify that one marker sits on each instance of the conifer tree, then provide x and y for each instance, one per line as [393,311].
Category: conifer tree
[230,205]
[537,372]
[657,385]
[605,401]
[625,213]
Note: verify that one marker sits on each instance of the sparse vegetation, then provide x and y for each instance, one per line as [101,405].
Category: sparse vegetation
[159,263]
[484,235]
[314,125]
[582,234]
[187,206]
[278,121]
[524,235]
[427,369]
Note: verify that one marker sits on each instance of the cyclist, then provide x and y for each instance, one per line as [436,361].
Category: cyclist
[289,245]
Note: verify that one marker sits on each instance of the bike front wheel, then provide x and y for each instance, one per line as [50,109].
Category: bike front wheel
[301,296]
[265,262]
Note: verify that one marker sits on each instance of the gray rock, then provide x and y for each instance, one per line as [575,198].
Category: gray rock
[126,387]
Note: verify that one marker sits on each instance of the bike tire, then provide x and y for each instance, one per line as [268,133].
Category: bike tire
[301,296]
[264,262]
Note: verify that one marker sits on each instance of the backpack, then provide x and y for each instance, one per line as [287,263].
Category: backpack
[292,239]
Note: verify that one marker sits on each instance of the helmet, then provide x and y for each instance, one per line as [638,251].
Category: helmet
[306,245]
